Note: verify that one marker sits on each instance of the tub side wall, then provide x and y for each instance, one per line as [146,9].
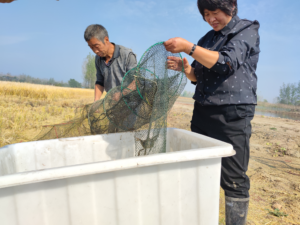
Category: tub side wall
[42,155]
[174,193]
[7,161]
[179,140]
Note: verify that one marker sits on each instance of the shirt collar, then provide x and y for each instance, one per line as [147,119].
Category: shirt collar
[230,25]
[116,52]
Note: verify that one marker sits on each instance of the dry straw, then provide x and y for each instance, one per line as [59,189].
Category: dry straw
[35,91]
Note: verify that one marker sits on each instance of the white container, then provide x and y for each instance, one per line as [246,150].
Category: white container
[95,180]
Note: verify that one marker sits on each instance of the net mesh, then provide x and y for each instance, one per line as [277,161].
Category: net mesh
[140,105]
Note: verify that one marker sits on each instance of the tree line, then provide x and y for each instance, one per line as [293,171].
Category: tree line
[32,80]
[89,77]
[289,94]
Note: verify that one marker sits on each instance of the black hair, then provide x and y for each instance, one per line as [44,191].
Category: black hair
[224,5]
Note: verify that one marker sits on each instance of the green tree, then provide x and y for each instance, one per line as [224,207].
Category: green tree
[89,71]
[51,81]
[298,94]
[74,83]
[289,94]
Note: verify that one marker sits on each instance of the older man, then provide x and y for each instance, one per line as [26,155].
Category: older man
[112,61]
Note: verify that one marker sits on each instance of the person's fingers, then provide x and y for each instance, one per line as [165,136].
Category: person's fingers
[170,45]
[170,48]
[175,63]
[185,61]
[175,67]
[171,66]
[168,42]
[171,63]
[173,58]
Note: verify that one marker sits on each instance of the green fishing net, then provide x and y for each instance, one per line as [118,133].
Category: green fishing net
[140,105]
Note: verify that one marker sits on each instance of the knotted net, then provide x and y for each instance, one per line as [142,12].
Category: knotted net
[140,105]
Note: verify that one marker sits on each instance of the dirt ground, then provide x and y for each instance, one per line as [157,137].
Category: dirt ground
[274,167]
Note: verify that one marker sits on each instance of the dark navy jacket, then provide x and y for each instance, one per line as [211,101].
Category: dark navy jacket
[232,80]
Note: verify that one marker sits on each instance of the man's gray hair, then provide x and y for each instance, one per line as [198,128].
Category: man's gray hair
[96,31]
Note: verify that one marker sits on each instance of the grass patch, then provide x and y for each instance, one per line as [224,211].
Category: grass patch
[277,212]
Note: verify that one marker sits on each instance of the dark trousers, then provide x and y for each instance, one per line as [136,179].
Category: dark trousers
[231,124]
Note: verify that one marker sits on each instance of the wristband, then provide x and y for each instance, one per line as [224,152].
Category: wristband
[193,49]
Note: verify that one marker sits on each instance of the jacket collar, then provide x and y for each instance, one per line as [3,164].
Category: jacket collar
[230,25]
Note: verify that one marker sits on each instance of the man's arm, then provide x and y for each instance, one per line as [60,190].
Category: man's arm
[99,85]
[98,91]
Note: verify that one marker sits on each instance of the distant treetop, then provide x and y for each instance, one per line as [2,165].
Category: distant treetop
[6,1]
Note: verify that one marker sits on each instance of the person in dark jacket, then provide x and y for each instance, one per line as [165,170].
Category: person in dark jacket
[224,72]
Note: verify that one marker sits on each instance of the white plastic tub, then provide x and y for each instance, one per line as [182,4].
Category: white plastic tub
[95,180]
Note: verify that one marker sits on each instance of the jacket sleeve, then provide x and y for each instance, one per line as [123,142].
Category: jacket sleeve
[234,54]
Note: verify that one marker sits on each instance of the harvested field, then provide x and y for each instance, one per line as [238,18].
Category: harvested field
[25,108]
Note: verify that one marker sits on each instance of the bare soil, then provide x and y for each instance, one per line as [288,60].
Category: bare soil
[274,167]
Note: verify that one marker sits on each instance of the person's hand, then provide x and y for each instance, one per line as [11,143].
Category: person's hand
[176,63]
[176,45]
[94,109]
[117,96]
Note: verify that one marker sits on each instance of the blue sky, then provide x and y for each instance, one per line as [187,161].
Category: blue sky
[45,38]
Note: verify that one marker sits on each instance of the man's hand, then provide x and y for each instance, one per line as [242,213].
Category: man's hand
[176,45]
[98,92]
[116,96]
